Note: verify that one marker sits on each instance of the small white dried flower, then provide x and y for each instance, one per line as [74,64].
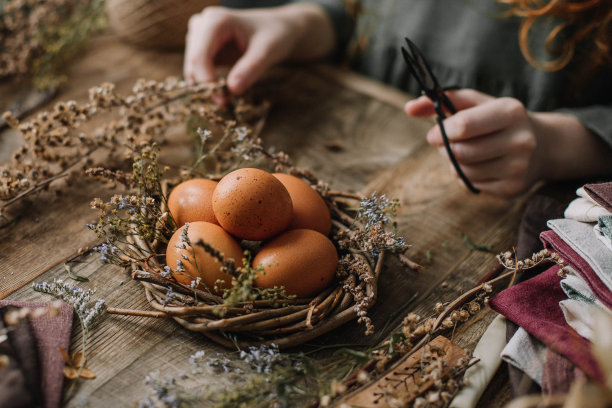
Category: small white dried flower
[363,377]
[337,388]
[325,401]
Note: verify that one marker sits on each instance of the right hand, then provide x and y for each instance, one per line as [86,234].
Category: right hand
[261,37]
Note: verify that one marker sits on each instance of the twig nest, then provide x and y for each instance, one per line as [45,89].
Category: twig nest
[160,24]
[303,261]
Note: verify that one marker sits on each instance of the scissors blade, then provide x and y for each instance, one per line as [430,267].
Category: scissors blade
[412,64]
[427,76]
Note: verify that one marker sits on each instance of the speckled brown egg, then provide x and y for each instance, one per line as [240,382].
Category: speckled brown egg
[192,201]
[203,265]
[303,261]
[309,209]
[252,204]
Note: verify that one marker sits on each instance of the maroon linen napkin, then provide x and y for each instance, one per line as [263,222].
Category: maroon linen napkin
[20,379]
[601,193]
[553,242]
[559,374]
[534,305]
[50,333]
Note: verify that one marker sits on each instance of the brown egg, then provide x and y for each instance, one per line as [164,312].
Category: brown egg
[252,204]
[309,209]
[192,201]
[303,261]
[205,265]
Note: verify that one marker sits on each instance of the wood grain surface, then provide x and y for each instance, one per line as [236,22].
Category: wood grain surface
[350,131]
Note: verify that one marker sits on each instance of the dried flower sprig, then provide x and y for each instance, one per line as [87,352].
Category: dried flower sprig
[164,392]
[87,309]
[243,287]
[377,210]
[367,238]
[41,37]
[263,376]
[137,214]
[58,142]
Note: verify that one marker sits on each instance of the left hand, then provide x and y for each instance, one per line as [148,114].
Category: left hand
[493,139]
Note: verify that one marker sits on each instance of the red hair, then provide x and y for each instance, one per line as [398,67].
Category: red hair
[584,20]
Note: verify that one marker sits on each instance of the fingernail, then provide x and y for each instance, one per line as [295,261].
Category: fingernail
[235,84]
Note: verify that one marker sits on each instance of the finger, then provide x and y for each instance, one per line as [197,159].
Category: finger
[492,116]
[420,107]
[257,58]
[467,98]
[483,148]
[496,169]
[461,99]
[208,33]
[502,188]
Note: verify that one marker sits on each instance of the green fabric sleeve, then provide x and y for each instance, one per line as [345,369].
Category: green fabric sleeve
[342,21]
[596,118]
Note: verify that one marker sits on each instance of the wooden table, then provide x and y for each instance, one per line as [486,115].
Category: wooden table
[380,149]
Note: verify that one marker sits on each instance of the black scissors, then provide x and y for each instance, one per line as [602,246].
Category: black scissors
[419,68]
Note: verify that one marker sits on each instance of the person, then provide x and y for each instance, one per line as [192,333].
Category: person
[523,116]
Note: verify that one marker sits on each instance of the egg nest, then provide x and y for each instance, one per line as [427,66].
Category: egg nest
[283,322]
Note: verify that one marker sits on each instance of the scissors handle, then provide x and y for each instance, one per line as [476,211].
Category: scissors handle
[440,117]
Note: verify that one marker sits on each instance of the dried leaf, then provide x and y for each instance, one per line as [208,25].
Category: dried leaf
[78,359]
[65,356]
[74,276]
[70,372]
[473,246]
[87,374]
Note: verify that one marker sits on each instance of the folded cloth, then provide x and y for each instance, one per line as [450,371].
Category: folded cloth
[580,237]
[559,374]
[20,379]
[526,353]
[479,375]
[584,208]
[581,249]
[553,242]
[575,287]
[540,208]
[579,316]
[581,305]
[603,230]
[534,305]
[50,333]
[606,241]
[601,193]
[605,225]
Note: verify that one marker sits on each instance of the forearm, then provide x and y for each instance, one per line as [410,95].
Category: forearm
[568,150]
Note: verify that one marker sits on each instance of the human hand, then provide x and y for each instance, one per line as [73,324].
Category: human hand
[257,38]
[494,140]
